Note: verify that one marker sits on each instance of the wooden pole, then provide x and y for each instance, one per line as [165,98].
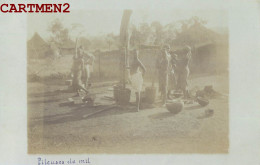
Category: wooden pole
[99,74]
[124,39]
[124,69]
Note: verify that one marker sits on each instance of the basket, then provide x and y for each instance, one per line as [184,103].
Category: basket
[122,96]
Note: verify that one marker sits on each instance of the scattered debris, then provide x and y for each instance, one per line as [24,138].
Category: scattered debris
[208,92]
[77,100]
[81,99]
[209,112]
[189,102]
[100,111]
[108,98]
[89,97]
[94,138]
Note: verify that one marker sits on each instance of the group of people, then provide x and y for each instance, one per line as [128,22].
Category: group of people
[173,72]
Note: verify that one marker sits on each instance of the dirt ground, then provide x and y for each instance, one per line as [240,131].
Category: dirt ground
[74,129]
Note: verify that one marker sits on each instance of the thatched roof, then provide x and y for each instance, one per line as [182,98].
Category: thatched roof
[36,42]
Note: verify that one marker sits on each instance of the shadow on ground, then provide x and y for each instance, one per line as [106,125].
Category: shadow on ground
[162,115]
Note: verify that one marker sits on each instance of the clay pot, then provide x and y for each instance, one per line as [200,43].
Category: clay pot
[150,94]
[122,96]
[117,88]
[202,101]
[175,106]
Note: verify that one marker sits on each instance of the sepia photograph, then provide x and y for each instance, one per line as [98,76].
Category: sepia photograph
[128,82]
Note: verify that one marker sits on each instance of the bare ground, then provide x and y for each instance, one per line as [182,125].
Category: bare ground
[53,129]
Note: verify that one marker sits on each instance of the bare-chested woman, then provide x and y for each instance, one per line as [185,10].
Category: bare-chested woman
[184,71]
[77,69]
[163,66]
[87,69]
[137,77]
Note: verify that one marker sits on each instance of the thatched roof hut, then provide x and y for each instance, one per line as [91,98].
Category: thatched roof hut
[36,47]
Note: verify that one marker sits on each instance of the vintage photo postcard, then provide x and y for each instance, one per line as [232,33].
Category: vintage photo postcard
[114,81]
[137,82]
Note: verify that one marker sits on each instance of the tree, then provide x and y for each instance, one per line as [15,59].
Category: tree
[85,42]
[142,34]
[135,37]
[111,40]
[98,42]
[158,32]
[59,34]
[190,31]
[64,35]
[145,33]
[193,31]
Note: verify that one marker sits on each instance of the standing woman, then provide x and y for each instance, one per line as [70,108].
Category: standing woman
[163,66]
[184,71]
[88,68]
[77,69]
[136,77]
[172,75]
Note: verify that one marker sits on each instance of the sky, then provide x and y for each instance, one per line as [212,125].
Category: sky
[98,22]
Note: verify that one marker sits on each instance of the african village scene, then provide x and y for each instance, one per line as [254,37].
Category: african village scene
[128,82]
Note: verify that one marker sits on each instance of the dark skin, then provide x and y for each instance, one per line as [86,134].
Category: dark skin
[89,60]
[183,68]
[173,62]
[163,68]
[78,64]
[134,69]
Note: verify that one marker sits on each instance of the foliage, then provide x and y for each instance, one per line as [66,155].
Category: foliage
[191,32]
[184,32]
[59,34]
